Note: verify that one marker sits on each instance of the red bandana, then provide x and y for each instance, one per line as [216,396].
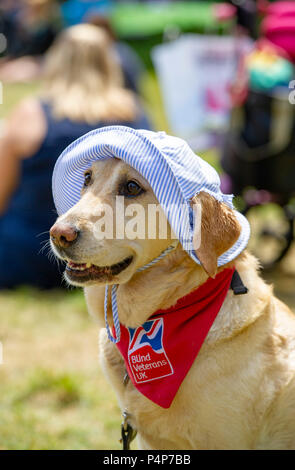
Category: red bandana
[159,354]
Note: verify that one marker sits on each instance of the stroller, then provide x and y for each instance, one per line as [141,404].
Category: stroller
[259,151]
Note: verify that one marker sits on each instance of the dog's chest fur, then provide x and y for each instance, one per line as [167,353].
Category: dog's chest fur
[240,391]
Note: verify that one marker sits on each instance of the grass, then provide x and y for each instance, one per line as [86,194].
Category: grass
[53,394]
[14,93]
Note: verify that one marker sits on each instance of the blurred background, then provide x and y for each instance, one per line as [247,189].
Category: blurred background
[218,74]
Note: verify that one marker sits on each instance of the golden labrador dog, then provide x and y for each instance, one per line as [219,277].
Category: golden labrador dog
[240,391]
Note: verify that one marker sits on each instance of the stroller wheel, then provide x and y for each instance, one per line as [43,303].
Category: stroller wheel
[272,232]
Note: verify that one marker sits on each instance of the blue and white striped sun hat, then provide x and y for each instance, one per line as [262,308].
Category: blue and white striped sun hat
[173,170]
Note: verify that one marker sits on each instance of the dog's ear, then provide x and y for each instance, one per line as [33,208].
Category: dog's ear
[216,230]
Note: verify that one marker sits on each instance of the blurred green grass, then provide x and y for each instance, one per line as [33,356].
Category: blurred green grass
[52,394]
[13,93]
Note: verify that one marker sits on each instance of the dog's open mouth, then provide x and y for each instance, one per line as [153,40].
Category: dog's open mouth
[83,272]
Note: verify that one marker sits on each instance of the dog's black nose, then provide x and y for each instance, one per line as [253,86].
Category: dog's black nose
[63,234]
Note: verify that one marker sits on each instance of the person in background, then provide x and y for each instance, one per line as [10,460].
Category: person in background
[8,11]
[247,16]
[132,67]
[82,91]
[75,11]
[37,22]
[30,28]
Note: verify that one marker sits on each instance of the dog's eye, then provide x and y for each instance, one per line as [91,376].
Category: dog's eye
[131,189]
[87,178]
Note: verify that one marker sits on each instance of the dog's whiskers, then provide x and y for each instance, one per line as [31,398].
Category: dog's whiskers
[67,283]
[50,253]
[42,233]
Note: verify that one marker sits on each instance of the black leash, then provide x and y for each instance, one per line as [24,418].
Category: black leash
[127,432]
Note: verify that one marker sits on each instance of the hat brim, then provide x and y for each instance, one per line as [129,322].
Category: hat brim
[138,150]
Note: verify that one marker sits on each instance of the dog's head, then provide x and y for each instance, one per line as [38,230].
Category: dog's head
[118,226]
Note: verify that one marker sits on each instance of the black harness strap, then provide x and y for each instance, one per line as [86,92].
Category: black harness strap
[237,285]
